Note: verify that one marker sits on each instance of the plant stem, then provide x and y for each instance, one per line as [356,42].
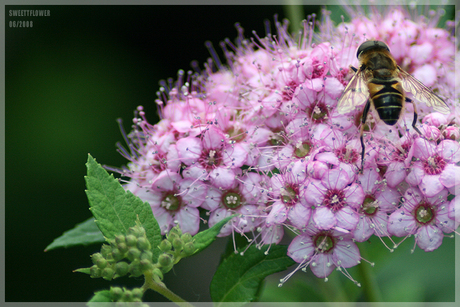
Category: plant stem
[369,285]
[161,288]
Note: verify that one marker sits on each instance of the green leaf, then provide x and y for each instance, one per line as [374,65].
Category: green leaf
[205,238]
[238,278]
[84,270]
[84,233]
[102,296]
[115,210]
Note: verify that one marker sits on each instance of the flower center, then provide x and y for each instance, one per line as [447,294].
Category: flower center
[289,90]
[159,163]
[171,202]
[434,165]
[319,113]
[346,155]
[236,134]
[423,213]
[211,159]
[370,205]
[324,244]
[290,195]
[231,200]
[302,149]
[335,199]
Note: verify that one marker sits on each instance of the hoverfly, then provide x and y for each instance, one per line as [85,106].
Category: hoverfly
[381,83]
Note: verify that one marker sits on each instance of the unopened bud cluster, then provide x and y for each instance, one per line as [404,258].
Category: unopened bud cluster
[176,246]
[124,295]
[129,253]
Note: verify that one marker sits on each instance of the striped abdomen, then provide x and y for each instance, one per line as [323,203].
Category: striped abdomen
[388,99]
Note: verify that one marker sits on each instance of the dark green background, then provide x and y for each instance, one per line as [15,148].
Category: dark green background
[67,79]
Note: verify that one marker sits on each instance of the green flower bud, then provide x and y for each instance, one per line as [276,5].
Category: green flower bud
[177,243]
[165,246]
[172,236]
[95,257]
[120,239]
[175,230]
[137,231]
[131,240]
[133,253]
[127,296]
[189,248]
[145,265]
[116,293]
[143,243]
[165,260]
[107,273]
[117,255]
[134,268]
[102,263]
[137,293]
[186,237]
[121,268]
[106,250]
[95,272]
[146,255]
[122,247]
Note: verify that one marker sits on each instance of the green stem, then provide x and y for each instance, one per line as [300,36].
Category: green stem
[293,10]
[161,288]
[369,283]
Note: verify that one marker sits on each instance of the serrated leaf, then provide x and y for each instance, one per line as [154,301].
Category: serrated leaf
[115,210]
[238,278]
[84,233]
[205,238]
[102,296]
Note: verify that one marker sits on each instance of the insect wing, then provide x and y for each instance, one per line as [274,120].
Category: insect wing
[422,93]
[355,94]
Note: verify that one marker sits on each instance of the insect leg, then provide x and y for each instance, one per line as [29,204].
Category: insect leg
[415,116]
[354,69]
[361,130]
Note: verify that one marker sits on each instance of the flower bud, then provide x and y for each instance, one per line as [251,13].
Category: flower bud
[137,293]
[177,243]
[134,268]
[95,272]
[189,248]
[127,296]
[133,253]
[165,246]
[121,268]
[95,257]
[172,236]
[165,259]
[122,247]
[106,250]
[137,231]
[107,273]
[120,239]
[145,265]
[143,243]
[102,263]
[117,255]
[186,237]
[175,230]
[116,293]
[131,240]
[148,255]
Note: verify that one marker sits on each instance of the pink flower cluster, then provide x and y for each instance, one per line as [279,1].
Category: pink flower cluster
[263,139]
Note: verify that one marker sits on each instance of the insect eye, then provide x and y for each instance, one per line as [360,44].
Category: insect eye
[368,45]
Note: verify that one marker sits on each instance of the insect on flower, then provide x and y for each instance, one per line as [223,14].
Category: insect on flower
[382,84]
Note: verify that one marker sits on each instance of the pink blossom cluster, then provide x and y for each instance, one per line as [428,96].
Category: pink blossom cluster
[262,138]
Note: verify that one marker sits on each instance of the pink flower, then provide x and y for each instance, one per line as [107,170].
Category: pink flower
[323,250]
[436,167]
[424,217]
[336,199]
[174,201]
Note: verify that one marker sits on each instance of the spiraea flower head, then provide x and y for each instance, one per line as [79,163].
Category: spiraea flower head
[262,137]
